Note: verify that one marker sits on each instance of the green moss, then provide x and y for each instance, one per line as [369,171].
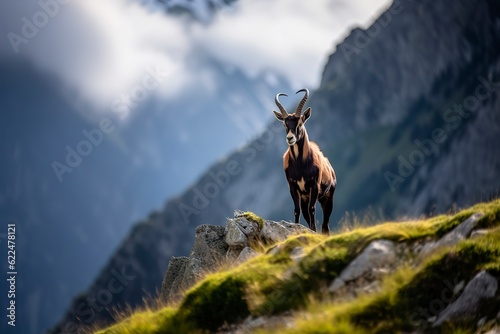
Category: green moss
[253,217]
[218,299]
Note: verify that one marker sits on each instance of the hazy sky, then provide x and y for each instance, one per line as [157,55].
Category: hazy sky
[104,47]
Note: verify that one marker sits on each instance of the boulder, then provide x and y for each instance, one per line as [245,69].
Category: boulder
[173,277]
[240,231]
[246,254]
[249,228]
[209,250]
[459,233]
[273,232]
[235,237]
[482,286]
[378,254]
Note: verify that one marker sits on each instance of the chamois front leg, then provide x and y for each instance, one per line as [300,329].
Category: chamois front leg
[313,197]
[296,202]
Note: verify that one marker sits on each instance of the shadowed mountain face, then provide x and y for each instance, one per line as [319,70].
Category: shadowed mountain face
[407,112]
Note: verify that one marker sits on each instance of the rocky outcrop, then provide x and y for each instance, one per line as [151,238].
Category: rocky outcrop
[214,246]
[207,253]
[208,250]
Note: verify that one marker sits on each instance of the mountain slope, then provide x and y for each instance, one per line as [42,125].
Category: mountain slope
[417,276]
[368,112]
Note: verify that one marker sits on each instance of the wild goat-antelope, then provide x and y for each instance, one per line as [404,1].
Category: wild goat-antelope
[309,174]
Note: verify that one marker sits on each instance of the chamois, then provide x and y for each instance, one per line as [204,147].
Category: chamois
[309,174]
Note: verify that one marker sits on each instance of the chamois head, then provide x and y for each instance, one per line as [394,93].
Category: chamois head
[293,123]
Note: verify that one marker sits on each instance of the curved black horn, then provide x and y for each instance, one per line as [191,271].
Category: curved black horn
[280,106]
[302,102]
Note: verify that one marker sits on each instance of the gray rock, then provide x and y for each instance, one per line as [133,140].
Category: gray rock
[479,233]
[482,286]
[250,228]
[177,287]
[235,238]
[233,253]
[246,254]
[458,287]
[297,254]
[378,254]
[336,285]
[209,251]
[238,213]
[275,249]
[273,232]
[372,287]
[174,272]
[241,232]
[459,233]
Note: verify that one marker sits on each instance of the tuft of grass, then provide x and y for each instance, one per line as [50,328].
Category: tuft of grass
[274,283]
[146,322]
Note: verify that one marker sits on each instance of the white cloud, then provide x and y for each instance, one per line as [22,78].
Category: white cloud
[116,42]
[104,47]
[292,37]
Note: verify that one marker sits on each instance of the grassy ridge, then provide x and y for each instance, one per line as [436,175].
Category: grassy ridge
[273,283]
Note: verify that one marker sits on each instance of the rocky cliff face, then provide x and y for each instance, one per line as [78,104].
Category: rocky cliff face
[386,115]
[423,68]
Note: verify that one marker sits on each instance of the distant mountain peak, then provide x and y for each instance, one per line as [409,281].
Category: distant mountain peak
[201,10]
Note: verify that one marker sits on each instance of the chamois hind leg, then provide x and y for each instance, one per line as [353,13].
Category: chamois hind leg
[327,206]
[304,204]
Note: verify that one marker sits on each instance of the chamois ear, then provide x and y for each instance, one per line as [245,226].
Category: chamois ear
[307,114]
[278,116]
